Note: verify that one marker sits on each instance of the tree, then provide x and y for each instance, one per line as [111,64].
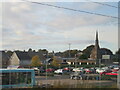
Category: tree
[87,52]
[72,53]
[83,56]
[35,61]
[118,52]
[116,57]
[29,50]
[55,62]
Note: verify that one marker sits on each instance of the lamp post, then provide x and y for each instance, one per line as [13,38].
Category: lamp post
[69,56]
[99,73]
[46,67]
[75,61]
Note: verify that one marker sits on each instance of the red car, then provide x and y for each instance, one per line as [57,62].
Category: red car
[66,69]
[115,70]
[87,70]
[104,73]
[49,70]
[112,73]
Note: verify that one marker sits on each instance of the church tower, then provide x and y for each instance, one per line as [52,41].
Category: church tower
[95,54]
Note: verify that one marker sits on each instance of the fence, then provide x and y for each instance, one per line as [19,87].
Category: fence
[16,78]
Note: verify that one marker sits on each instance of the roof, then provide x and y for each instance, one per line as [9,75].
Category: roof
[4,56]
[28,55]
[92,61]
[16,70]
[23,55]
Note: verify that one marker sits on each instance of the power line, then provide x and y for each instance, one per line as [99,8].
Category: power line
[50,5]
[103,4]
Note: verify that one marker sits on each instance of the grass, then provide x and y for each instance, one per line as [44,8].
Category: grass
[80,84]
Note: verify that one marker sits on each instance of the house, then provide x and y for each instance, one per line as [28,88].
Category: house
[81,62]
[4,59]
[20,59]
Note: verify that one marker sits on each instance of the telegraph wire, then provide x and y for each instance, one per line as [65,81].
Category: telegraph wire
[71,9]
[103,4]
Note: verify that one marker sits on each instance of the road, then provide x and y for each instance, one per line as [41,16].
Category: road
[55,77]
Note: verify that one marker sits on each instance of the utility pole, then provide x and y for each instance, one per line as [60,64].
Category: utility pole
[75,61]
[69,56]
[69,50]
[46,66]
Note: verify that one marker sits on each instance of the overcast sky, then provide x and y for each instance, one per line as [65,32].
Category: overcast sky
[29,25]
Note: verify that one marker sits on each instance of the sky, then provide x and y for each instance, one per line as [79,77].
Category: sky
[28,25]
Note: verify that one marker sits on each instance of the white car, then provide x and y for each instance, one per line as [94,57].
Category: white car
[58,71]
[105,68]
[77,70]
[100,70]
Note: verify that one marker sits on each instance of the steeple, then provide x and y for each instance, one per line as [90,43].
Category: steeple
[95,54]
[97,41]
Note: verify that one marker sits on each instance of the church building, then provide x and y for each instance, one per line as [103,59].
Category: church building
[97,53]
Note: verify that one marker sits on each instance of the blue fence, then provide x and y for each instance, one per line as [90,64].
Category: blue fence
[17,78]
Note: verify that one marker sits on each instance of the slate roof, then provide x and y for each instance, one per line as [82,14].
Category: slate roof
[28,55]
[23,55]
[92,61]
[4,56]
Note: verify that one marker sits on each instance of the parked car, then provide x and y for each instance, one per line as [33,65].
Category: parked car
[105,68]
[49,70]
[104,73]
[115,69]
[99,70]
[112,73]
[59,71]
[77,70]
[42,70]
[88,70]
[77,75]
[36,70]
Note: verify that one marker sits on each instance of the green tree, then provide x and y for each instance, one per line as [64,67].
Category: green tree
[35,61]
[55,62]
[118,52]
[87,51]
[72,53]
[29,50]
[83,56]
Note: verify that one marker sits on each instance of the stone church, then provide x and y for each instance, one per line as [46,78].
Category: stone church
[97,52]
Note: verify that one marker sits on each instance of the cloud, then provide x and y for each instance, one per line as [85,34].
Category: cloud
[29,25]
[89,6]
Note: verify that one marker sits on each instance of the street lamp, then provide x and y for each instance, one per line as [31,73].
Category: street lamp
[75,61]
[69,56]
[46,62]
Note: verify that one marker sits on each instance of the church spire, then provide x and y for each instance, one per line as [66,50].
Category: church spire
[95,54]
[97,41]
[96,35]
